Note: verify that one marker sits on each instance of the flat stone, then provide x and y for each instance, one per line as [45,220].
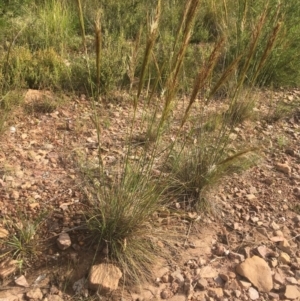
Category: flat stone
[285,246]
[54,298]
[278,233]
[104,278]
[177,277]
[278,278]
[216,292]
[274,262]
[15,195]
[245,284]
[276,238]
[219,250]
[78,286]
[3,232]
[219,281]
[291,292]
[208,272]
[274,296]
[35,293]
[262,251]
[7,267]
[21,281]
[251,197]
[64,241]
[232,285]
[11,295]
[202,283]
[284,258]
[274,226]
[283,167]
[291,280]
[258,272]
[166,278]
[253,293]
[232,275]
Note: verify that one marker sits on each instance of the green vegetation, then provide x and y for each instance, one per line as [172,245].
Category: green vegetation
[22,244]
[42,42]
[169,48]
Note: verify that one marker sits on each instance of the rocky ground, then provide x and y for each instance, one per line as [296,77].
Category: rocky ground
[248,249]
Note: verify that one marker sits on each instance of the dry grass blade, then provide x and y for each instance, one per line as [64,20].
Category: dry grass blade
[203,76]
[97,26]
[268,49]
[82,27]
[183,22]
[172,81]
[225,75]
[237,155]
[133,59]
[253,46]
[148,49]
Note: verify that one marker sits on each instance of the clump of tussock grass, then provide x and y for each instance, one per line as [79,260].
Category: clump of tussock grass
[121,219]
[121,212]
[281,110]
[196,168]
[43,107]
[239,111]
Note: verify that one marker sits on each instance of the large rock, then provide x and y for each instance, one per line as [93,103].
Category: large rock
[258,272]
[104,278]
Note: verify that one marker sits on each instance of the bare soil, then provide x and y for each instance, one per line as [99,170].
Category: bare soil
[40,153]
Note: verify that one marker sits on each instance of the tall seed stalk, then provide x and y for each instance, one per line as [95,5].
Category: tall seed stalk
[82,27]
[97,27]
[203,76]
[147,55]
[172,81]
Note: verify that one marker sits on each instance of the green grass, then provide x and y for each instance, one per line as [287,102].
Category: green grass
[121,219]
[23,242]
[45,35]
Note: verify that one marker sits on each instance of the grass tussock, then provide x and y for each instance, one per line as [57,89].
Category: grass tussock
[122,222]
[196,169]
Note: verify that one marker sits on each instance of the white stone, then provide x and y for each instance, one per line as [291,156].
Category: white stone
[64,241]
